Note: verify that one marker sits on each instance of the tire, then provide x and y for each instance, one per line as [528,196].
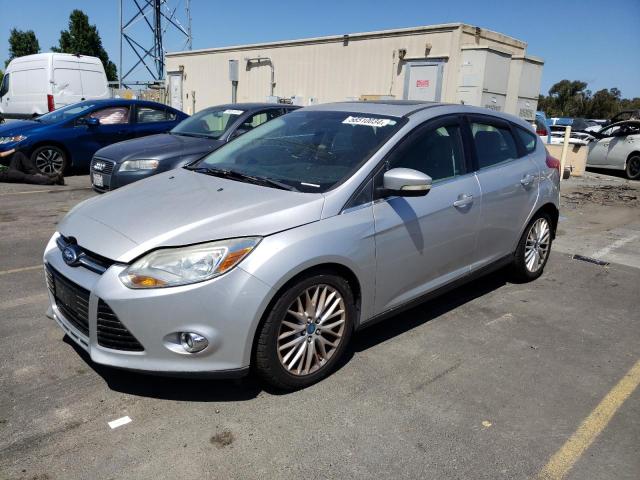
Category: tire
[633,167]
[534,248]
[286,334]
[49,159]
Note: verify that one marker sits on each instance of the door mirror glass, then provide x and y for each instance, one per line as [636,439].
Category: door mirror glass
[406,182]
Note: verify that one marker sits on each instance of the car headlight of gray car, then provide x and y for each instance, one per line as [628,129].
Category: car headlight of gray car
[13,139]
[133,165]
[171,267]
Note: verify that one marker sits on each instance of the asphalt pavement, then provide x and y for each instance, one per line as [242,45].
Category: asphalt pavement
[494,380]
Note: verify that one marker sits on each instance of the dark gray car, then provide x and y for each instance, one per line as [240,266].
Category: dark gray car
[127,162]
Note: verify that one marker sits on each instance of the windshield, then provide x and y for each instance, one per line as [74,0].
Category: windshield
[65,113]
[208,123]
[311,151]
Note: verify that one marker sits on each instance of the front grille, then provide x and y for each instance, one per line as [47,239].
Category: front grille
[112,333]
[108,165]
[87,259]
[71,299]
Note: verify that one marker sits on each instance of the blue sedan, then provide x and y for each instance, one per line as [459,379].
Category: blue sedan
[68,137]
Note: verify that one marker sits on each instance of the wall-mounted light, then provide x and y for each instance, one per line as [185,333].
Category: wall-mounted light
[402,52]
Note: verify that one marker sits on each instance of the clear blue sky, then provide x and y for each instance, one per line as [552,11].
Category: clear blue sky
[590,40]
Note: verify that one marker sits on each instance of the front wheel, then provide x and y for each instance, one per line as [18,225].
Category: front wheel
[633,167]
[49,159]
[306,332]
[533,249]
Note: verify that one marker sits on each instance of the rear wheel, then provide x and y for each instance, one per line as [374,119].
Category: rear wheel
[306,332]
[49,159]
[633,167]
[533,249]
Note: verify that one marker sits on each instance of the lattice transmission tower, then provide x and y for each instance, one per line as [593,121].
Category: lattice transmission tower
[147,28]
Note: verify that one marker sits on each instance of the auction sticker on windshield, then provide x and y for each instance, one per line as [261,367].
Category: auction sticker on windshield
[368,121]
[233,112]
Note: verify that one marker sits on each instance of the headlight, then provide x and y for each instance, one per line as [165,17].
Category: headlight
[14,139]
[132,165]
[170,267]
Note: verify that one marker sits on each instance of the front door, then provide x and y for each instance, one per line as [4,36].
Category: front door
[175,90]
[423,82]
[425,242]
[509,182]
[114,127]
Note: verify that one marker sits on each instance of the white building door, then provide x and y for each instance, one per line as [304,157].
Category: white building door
[175,90]
[423,81]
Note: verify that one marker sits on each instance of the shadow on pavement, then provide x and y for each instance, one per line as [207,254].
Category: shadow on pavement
[247,388]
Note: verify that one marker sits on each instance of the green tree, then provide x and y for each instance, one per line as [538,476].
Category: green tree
[604,104]
[22,43]
[84,39]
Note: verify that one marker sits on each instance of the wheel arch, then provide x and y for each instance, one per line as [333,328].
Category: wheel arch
[53,143]
[553,212]
[333,268]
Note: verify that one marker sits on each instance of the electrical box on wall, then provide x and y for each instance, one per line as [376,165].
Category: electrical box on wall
[233,70]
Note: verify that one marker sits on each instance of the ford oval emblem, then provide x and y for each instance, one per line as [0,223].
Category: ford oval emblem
[70,255]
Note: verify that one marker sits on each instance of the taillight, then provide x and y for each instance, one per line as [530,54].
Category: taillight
[542,132]
[50,105]
[553,162]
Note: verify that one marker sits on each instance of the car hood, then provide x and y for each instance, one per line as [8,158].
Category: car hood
[158,147]
[9,129]
[182,207]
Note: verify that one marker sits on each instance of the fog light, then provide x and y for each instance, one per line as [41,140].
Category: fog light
[192,342]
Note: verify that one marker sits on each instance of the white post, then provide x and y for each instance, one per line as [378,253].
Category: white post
[565,149]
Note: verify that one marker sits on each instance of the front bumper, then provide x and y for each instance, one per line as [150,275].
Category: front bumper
[226,310]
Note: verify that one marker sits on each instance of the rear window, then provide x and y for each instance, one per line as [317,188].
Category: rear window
[494,145]
[528,139]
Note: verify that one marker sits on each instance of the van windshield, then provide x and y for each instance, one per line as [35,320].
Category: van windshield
[208,123]
[65,113]
[311,151]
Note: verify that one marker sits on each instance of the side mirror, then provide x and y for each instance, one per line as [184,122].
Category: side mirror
[89,121]
[239,131]
[405,182]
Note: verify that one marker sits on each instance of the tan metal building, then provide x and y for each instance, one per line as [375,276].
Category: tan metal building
[451,63]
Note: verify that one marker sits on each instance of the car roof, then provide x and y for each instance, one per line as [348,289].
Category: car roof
[124,101]
[623,122]
[247,106]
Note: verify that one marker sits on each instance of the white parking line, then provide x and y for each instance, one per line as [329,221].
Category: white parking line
[119,422]
[615,245]
[17,270]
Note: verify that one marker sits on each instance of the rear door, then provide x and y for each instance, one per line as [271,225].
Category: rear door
[151,119]
[93,79]
[425,242]
[67,84]
[509,180]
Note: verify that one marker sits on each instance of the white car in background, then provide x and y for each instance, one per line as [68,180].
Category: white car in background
[617,147]
[37,84]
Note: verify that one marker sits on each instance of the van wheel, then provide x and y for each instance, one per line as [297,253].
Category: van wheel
[306,332]
[633,167]
[533,249]
[49,159]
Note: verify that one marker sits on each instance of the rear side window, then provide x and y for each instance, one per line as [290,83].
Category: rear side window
[152,115]
[258,119]
[494,144]
[436,152]
[528,139]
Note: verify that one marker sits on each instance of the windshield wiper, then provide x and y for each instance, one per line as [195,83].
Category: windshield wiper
[243,177]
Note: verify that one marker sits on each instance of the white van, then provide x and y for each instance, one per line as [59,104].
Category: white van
[40,83]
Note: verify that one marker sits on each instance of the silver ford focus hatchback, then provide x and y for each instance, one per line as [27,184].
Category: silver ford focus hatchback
[271,251]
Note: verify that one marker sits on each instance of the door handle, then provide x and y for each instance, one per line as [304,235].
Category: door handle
[464,199]
[527,180]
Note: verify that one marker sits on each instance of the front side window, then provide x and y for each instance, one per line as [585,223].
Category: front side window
[494,144]
[153,115]
[311,151]
[111,115]
[436,152]
[4,87]
[208,123]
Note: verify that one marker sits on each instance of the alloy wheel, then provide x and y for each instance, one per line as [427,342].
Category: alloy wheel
[311,330]
[49,160]
[537,245]
[633,169]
